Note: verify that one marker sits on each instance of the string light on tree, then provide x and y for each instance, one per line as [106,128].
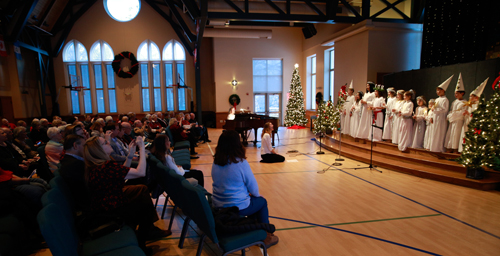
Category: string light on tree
[295,112]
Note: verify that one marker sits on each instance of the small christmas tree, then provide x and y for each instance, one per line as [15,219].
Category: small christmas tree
[492,114]
[295,112]
[322,122]
[475,140]
[339,108]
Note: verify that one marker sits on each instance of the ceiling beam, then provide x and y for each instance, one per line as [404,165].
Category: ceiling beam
[348,6]
[192,8]
[274,6]
[391,6]
[22,19]
[190,36]
[234,6]
[281,17]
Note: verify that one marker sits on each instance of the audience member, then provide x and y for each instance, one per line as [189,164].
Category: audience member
[180,134]
[108,193]
[7,124]
[20,136]
[22,123]
[10,159]
[54,148]
[127,132]
[161,150]
[120,152]
[234,183]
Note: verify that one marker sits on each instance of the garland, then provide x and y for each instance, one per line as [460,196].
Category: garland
[234,100]
[117,65]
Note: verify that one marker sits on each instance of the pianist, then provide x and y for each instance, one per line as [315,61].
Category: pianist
[232,113]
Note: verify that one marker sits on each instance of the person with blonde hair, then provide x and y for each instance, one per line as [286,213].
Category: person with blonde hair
[54,148]
[108,193]
[267,152]
[406,122]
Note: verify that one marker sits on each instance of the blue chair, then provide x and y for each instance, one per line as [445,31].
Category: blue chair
[198,209]
[177,145]
[44,165]
[182,157]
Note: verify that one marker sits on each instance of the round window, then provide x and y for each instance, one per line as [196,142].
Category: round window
[122,10]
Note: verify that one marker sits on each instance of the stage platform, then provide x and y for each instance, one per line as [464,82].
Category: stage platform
[418,162]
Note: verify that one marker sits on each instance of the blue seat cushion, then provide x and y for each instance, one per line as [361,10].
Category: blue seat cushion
[182,158]
[181,145]
[231,242]
[116,240]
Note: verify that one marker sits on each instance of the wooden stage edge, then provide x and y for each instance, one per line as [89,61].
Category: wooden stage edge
[418,162]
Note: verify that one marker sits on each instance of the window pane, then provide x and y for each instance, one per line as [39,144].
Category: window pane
[81,53]
[110,74]
[75,102]
[274,103]
[182,99]
[157,96]
[142,53]
[274,67]
[112,101]
[154,53]
[259,67]
[313,92]
[274,84]
[156,75]
[259,84]
[98,76]
[144,75]
[87,101]
[69,52]
[145,100]
[100,101]
[332,95]
[168,74]
[167,52]
[85,76]
[260,103]
[95,52]
[107,52]
[332,59]
[72,74]
[313,65]
[170,99]
[179,52]
[180,74]
[277,115]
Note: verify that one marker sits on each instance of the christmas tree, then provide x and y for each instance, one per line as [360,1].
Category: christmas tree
[295,112]
[492,149]
[322,122]
[475,140]
[339,108]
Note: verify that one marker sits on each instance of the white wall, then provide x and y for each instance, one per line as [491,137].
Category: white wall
[233,60]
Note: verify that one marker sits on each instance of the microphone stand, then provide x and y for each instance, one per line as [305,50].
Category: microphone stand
[371,166]
[320,152]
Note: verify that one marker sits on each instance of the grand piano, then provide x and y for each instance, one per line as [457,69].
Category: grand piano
[243,123]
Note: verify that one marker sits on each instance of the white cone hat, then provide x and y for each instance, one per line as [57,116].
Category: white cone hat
[351,85]
[460,84]
[479,90]
[445,84]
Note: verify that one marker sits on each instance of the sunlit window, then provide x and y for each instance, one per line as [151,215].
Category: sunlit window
[76,57]
[148,54]
[122,10]
[174,58]
[101,54]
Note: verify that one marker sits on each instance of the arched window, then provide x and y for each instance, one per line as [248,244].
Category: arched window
[148,55]
[76,58]
[101,56]
[174,58]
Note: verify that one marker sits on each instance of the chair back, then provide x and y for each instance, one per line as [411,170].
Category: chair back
[58,230]
[169,134]
[59,183]
[55,196]
[199,210]
[43,161]
[171,182]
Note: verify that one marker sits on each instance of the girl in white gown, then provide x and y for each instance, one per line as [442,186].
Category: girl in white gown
[429,120]
[387,135]
[396,120]
[356,113]
[419,127]
[406,125]
[378,105]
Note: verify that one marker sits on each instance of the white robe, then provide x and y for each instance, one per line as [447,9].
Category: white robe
[396,120]
[465,128]
[456,119]
[429,128]
[436,142]
[347,119]
[406,126]
[365,123]
[377,133]
[387,135]
[356,115]
[419,127]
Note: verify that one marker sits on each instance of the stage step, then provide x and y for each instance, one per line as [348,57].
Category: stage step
[421,163]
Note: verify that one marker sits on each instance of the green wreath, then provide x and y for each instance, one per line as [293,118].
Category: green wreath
[117,65]
[234,98]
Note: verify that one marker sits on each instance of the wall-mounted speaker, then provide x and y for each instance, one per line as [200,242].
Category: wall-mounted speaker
[309,31]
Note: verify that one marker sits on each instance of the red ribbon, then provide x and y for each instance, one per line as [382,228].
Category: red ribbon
[495,82]
[477,131]
[375,114]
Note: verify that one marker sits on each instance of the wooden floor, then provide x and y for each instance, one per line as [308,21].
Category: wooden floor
[352,212]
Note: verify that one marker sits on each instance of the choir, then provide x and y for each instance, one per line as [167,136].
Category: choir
[437,128]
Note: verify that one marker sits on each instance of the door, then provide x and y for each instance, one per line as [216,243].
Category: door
[6,109]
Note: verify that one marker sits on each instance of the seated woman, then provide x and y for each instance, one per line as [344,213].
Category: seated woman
[20,136]
[108,193]
[54,147]
[267,151]
[234,183]
[161,150]
[12,160]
